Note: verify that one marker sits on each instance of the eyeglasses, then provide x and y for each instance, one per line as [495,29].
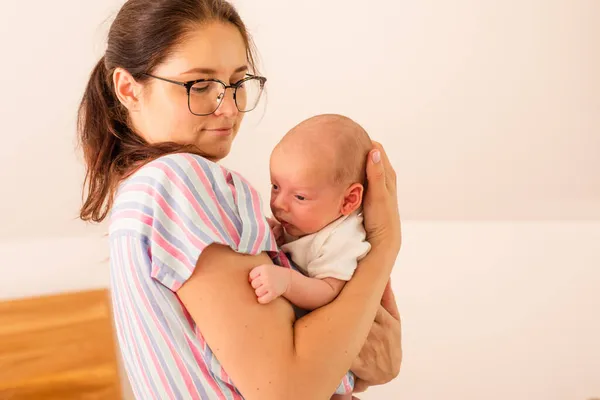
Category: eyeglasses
[206,95]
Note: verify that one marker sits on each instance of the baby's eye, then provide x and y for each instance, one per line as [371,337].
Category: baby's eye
[274,187]
[301,198]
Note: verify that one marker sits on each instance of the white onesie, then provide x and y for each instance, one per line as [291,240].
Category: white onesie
[334,251]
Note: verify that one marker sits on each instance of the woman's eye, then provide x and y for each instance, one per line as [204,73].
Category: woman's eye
[238,82]
[199,88]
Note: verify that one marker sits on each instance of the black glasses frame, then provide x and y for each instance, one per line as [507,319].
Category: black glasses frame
[188,87]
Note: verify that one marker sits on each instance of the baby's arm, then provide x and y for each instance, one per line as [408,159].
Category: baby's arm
[270,281]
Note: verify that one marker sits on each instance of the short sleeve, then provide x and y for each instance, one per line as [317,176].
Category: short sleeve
[342,249]
[183,203]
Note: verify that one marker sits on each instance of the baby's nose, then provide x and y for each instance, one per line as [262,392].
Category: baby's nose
[279,203]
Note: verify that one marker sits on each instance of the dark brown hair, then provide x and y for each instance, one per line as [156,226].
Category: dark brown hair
[142,36]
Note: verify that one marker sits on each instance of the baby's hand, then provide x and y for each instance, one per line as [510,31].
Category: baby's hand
[277,231]
[270,281]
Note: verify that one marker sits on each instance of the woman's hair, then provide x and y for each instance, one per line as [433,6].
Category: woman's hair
[140,38]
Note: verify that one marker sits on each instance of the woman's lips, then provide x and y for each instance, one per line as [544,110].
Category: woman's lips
[220,131]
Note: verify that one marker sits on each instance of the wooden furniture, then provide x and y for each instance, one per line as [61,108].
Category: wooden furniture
[58,347]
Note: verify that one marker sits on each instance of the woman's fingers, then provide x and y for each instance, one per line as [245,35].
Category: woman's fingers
[360,385]
[376,173]
[388,301]
[389,173]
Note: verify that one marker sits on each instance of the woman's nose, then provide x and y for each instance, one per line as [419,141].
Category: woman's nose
[227,107]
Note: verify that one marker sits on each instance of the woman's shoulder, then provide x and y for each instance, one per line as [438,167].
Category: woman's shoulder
[178,169]
[167,167]
[180,182]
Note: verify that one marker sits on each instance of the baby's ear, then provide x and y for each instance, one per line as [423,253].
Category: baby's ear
[352,199]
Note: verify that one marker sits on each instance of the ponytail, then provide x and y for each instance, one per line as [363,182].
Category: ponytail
[111,150]
[98,140]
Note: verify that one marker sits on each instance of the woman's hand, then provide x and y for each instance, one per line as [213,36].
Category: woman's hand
[382,219]
[379,360]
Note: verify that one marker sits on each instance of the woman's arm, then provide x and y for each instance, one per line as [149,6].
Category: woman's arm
[264,352]
[380,358]
[260,347]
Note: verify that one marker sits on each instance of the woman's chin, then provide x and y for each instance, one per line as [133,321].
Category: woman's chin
[216,151]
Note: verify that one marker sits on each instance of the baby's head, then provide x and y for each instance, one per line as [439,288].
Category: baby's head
[318,173]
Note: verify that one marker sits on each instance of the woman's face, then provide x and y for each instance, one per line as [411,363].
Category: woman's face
[216,50]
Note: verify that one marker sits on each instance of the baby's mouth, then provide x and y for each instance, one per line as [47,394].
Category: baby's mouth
[286,225]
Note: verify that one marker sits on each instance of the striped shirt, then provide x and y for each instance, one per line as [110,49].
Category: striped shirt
[162,218]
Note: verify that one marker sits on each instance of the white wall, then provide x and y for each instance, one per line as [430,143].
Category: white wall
[498,310]
[489,110]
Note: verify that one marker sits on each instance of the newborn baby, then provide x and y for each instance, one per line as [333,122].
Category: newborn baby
[317,176]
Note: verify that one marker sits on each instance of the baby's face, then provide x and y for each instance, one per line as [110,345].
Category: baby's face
[303,197]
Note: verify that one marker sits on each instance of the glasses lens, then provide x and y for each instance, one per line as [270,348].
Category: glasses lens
[248,94]
[205,97]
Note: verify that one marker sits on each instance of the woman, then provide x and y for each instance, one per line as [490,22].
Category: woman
[161,108]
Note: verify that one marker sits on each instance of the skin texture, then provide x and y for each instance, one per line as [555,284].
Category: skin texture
[314,173]
[267,354]
[158,110]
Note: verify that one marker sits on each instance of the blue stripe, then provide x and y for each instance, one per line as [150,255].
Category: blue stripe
[124,315]
[223,203]
[185,247]
[208,357]
[201,200]
[154,294]
[183,212]
[142,269]
[120,327]
[250,220]
[164,272]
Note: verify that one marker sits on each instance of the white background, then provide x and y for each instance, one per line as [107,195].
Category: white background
[490,112]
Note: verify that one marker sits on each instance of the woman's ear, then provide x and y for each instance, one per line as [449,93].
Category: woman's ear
[352,199]
[127,89]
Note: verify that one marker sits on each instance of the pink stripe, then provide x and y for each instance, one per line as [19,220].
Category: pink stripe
[157,238]
[155,361]
[285,262]
[229,226]
[225,377]
[173,251]
[347,386]
[201,339]
[164,205]
[258,212]
[182,369]
[185,312]
[134,214]
[261,225]
[188,194]
[126,320]
[207,375]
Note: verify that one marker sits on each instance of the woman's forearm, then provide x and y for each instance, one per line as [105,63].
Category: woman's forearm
[263,351]
[327,340]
